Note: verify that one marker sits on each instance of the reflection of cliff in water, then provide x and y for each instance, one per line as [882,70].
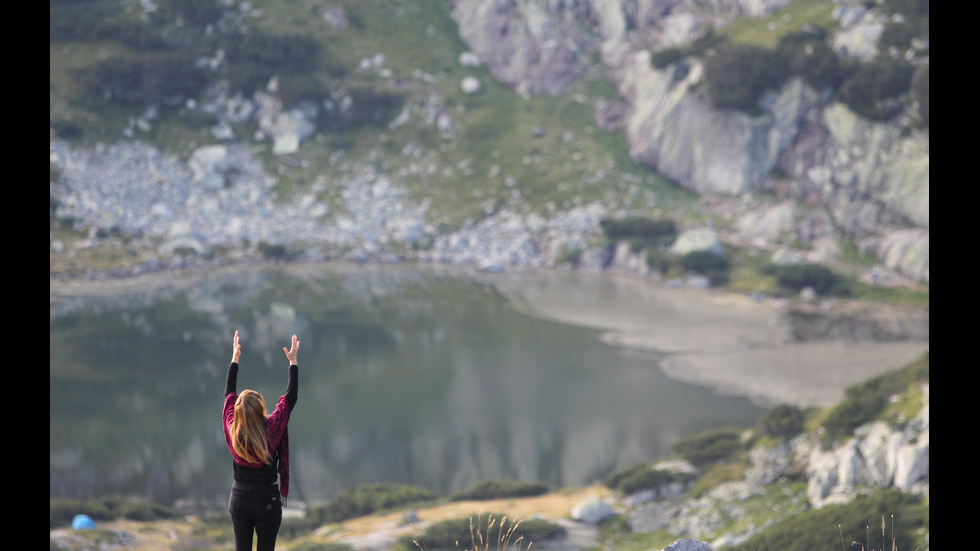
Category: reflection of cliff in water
[893,325]
[405,376]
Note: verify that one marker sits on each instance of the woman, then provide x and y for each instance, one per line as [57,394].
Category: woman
[259,445]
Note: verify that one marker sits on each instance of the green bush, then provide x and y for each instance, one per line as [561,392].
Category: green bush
[286,53]
[875,90]
[783,421]
[365,500]
[63,510]
[809,55]
[196,13]
[864,402]
[137,509]
[480,531]
[888,519]
[705,43]
[254,58]
[907,8]
[152,79]
[713,266]
[658,230]
[643,476]
[662,58]
[737,75]
[276,252]
[920,95]
[66,130]
[294,89]
[369,107]
[897,34]
[496,489]
[661,262]
[86,20]
[795,277]
[709,446]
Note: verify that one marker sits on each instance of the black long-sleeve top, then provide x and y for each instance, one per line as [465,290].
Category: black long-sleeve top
[276,423]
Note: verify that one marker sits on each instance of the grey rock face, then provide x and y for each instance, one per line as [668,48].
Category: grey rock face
[873,178]
[877,456]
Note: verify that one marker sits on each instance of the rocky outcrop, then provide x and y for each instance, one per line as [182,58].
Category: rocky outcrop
[877,456]
[536,47]
[872,178]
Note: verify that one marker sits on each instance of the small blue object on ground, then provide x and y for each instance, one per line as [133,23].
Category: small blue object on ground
[83,522]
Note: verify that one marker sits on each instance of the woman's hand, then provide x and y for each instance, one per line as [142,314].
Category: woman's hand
[236,349]
[292,352]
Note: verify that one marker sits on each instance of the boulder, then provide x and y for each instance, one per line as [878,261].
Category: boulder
[688,545]
[592,511]
[470,85]
[697,240]
[208,165]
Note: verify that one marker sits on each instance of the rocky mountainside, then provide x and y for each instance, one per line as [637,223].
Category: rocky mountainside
[869,180]
[804,172]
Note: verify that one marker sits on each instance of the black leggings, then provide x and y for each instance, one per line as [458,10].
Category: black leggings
[255,508]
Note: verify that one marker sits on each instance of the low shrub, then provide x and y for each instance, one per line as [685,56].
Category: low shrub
[795,277]
[875,90]
[783,421]
[367,499]
[63,510]
[920,95]
[655,230]
[737,75]
[145,511]
[193,12]
[87,20]
[368,107]
[496,489]
[152,79]
[864,402]
[713,266]
[709,446]
[642,477]
[808,54]
[662,58]
[887,519]
[253,58]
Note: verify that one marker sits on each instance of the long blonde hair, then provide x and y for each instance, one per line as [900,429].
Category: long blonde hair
[249,436]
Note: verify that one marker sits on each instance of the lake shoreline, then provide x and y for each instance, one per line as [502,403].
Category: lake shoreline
[731,342]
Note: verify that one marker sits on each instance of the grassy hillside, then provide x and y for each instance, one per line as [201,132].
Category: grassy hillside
[544,152]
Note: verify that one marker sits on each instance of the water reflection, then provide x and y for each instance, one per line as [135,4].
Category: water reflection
[405,375]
